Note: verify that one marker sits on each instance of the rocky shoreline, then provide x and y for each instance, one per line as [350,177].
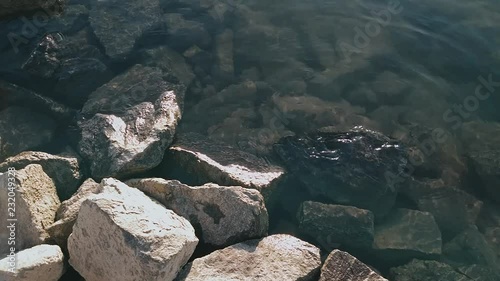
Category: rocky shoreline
[197,148]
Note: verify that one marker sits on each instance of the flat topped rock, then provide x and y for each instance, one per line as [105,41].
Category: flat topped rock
[348,168]
[341,266]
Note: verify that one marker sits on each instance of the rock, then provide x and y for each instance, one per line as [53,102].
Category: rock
[68,61]
[22,129]
[129,122]
[452,208]
[335,225]
[276,257]
[492,236]
[224,67]
[184,33]
[65,169]
[68,212]
[420,270]
[341,266]
[407,234]
[204,161]
[348,168]
[172,64]
[106,19]
[125,235]
[72,19]
[221,215]
[36,203]
[479,273]
[40,263]
[8,8]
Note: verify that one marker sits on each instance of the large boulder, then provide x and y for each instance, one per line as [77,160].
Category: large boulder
[184,33]
[122,234]
[336,225]
[199,160]
[129,122]
[427,270]
[341,266]
[172,64]
[276,257]
[22,129]
[64,169]
[39,263]
[9,7]
[36,203]
[221,215]
[360,167]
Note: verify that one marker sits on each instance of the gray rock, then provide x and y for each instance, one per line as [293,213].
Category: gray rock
[420,270]
[407,234]
[492,235]
[129,122]
[341,266]
[222,215]
[479,272]
[125,235]
[335,225]
[207,161]
[40,263]
[224,67]
[64,169]
[36,203]
[22,129]
[185,33]
[8,7]
[276,257]
[108,17]
[171,63]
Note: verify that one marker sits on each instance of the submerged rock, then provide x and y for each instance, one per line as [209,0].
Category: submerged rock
[341,266]
[335,225]
[8,7]
[276,257]
[129,122]
[221,215]
[420,270]
[349,168]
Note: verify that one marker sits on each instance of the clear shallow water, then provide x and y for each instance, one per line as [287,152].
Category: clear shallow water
[260,71]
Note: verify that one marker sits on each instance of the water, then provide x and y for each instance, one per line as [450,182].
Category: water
[426,73]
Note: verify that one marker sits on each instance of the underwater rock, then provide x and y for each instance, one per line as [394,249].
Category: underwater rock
[221,215]
[224,67]
[129,122]
[171,63]
[8,7]
[348,168]
[184,33]
[341,266]
[427,270]
[336,225]
[275,257]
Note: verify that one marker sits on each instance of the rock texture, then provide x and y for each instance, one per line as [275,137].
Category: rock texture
[8,7]
[36,203]
[124,235]
[341,266]
[207,161]
[22,129]
[129,122]
[407,234]
[65,169]
[348,168]
[420,270]
[40,263]
[276,257]
[335,225]
[221,215]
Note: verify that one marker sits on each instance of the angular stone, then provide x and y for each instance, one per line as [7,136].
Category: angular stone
[224,67]
[171,63]
[129,122]
[336,225]
[359,167]
[407,234]
[36,203]
[8,7]
[222,215]
[479,272]
[420,270]
[40,263]
[106,17]
[276,257]
[125,235]
[185,33]
[341,266]
[64,169]
[208,161]
[22,129]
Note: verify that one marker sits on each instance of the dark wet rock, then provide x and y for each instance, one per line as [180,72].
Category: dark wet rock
[8,7]
[197,159]
[129,122]
[199,57]
[172,64]
[221,215]
[183,33]
[22,129]
[336,225]
[421,270]
[407,234]
[453,209]
[479,272]
[355,168]
[71,19]
[65,169]
[119,24]
[492,236]
[276,257]
[224,67]
[471,247]
[341,266]
[69,61]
